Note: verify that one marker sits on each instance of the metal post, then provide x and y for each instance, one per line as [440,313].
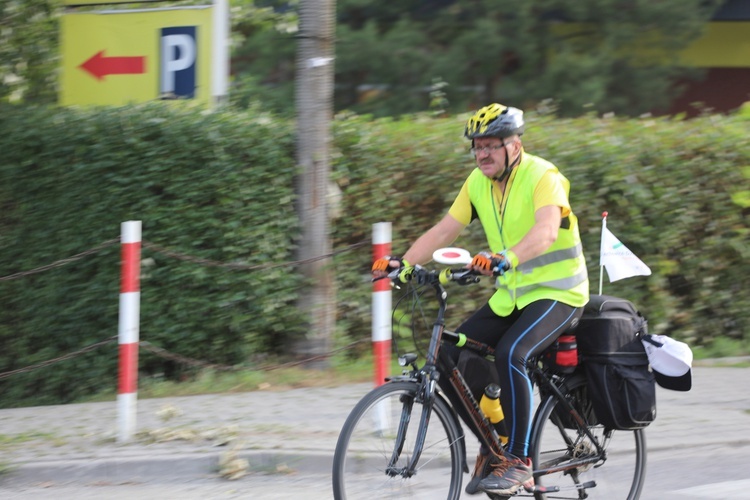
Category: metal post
[381,305]
[130,311]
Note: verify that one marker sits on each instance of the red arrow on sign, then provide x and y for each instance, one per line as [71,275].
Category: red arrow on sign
[100,66]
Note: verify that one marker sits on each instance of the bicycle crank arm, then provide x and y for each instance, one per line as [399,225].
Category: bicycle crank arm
[555,489]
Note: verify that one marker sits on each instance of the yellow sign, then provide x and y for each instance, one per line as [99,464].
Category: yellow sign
[724,44]
[122,57]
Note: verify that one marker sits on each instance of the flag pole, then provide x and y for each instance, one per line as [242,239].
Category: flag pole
[601,262]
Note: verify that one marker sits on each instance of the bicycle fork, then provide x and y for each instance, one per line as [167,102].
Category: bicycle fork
[427,394]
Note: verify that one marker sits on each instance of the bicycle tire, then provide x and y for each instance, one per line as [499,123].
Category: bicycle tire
[621,476]
[367,442]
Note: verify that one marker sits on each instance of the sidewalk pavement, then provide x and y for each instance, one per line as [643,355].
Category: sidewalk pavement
[290,430]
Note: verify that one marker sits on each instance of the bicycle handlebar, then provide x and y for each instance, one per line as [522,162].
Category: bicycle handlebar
[424,276]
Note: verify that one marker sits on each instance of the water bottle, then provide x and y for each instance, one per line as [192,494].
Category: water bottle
[490,406]
[562,356]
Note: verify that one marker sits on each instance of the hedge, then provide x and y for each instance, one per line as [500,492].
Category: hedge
[214,186]
[219,186]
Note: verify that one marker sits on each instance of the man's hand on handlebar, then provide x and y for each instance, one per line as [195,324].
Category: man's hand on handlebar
[385,266]
[488,264]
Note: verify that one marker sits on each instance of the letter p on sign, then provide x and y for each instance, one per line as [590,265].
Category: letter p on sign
[178,61]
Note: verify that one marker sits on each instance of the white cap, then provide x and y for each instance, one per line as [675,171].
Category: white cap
[671,361]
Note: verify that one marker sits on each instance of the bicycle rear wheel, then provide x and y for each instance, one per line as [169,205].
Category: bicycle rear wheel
[557,441]
[368,444]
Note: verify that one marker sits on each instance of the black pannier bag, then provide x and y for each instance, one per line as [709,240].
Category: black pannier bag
[621,386]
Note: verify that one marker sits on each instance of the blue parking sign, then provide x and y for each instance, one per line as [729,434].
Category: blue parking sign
[178,56]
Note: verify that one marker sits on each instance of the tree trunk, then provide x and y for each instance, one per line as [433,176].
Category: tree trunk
[314,100]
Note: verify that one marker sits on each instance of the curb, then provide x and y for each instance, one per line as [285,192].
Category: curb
[164,468]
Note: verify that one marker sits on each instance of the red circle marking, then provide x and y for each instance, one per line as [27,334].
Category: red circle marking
[451,255]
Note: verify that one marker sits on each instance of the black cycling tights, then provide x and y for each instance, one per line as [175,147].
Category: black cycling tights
[525,333]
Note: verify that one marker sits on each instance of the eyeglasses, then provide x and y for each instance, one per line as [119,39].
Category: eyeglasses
[487,149]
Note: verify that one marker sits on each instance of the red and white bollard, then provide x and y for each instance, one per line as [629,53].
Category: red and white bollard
[381,305]
[129,327]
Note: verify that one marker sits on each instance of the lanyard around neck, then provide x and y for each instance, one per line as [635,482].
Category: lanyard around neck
[503,205]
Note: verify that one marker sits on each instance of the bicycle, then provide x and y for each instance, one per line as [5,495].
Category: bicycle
[391,447]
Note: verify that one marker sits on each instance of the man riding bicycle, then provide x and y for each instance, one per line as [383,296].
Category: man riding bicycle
[542,284]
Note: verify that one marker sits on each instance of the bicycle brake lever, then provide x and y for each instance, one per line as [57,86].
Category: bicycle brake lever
[465,277]
[392,276]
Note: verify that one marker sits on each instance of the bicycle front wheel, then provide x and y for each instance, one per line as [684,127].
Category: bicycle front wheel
[557,442]
[378,441]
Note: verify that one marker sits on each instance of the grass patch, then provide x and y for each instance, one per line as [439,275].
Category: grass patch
[723,352]
[9,442]
[722,363]
[207,381]
[5,468]
[722,347]
[25,437]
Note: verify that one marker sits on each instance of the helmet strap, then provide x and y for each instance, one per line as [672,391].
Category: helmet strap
[508,166]
[500,178]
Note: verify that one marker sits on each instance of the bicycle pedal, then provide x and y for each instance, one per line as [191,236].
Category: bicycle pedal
[554,489]
[541,489]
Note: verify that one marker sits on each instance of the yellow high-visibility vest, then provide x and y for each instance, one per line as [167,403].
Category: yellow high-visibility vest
[560,272]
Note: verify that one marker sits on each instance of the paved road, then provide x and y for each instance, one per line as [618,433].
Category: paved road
[699,446]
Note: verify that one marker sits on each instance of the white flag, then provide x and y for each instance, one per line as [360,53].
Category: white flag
[620,262]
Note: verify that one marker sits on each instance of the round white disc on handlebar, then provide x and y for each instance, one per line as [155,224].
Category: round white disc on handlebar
[451,256]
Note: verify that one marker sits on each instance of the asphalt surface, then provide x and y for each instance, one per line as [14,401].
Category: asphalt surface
[287,439]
